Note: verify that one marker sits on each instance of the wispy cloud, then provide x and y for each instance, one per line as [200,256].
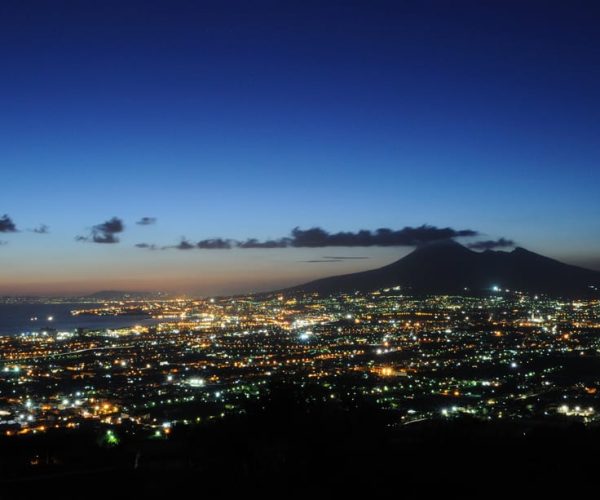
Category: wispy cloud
[41,229]
[146,221]
[254,243]
[319,261]
[148,246]
[344,258]
[185,245]
[214,244]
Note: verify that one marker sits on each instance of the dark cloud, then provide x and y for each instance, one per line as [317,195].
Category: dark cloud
[146,221]
[185,245]
[41,229]
[211,244]
[214,244]
[408,236]
[105,232]
[343,257]
[318,261]
[491,244]
[254,243]
[149,246]
[319,238]
[333,258]
[7,225]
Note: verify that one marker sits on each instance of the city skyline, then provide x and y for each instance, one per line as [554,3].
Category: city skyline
[344,248]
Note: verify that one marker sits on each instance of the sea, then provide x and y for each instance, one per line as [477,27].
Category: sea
[19,318]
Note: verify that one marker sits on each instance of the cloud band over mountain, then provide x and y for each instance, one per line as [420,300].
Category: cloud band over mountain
[492,244]
[384,237]
[317,237]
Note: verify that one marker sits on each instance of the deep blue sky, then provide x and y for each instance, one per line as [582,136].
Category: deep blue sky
[246,119]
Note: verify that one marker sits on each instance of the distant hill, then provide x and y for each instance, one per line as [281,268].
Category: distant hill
[120,295]
[449,267]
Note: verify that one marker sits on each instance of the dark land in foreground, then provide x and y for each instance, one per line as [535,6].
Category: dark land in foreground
[298,441]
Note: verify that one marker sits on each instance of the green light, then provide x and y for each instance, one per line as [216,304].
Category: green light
[111,438]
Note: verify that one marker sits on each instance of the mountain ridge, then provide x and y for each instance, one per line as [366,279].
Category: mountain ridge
[449,267]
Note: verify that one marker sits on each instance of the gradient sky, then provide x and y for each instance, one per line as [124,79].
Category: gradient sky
[246,119]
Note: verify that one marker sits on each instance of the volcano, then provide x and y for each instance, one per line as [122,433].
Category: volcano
[449,268]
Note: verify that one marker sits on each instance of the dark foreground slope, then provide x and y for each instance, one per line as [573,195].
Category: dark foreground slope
[287,448]
[448,267]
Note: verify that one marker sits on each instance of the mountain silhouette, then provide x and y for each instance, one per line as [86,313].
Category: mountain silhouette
[121,295]
[448,267]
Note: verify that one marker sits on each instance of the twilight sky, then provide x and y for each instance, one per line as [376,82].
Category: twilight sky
[246,119]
